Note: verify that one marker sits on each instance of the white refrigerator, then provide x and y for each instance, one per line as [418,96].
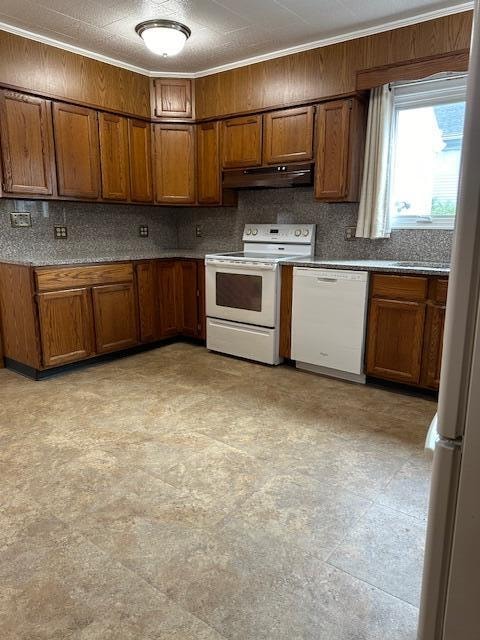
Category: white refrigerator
[450,603]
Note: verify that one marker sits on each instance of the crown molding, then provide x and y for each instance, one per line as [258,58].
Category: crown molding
[317,44]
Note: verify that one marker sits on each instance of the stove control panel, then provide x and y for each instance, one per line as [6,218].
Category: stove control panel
[280,233]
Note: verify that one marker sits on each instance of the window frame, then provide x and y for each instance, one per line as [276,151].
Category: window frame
[438,90]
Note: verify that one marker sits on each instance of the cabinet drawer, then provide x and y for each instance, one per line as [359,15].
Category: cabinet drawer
[399,287]
[438,290]
[54,278]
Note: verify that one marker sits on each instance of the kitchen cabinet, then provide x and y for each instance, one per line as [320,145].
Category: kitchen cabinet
[66,326]
[209,188]
[167,298]
[173,97]
[405,329]
[187,297]
[77,151]
[115,315]
[288,135]
[340,147]
[140,151]
[147,289]
[202,320]
[286,306]
[114,156]
[242,142]
[28,165]
[174,160]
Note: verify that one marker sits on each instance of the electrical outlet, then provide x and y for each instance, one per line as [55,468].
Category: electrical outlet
[60,232]
[198,231]
[20,220]
[143,230]
[350,233]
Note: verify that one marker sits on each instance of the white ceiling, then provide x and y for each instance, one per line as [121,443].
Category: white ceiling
[224,32]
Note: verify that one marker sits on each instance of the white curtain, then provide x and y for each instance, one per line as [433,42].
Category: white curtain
[373,214]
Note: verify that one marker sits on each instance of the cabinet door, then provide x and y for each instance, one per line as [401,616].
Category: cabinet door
[209,186]
[288,135]
[433,348]
[242,142]
[286,306]
[115,313]
[27,144]
[77,151]
[187,297]
[140,148]
[114,156]
[174,158]
[202,320]
[66,326]
[147,288]
[167,298]
[173,97]
[341,127]
[395,340]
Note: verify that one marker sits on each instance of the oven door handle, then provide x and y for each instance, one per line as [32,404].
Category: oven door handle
[240,265]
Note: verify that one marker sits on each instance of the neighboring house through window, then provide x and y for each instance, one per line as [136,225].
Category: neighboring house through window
[426,150]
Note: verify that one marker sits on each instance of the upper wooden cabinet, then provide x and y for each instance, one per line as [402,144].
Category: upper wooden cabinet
[288,135]
[77,151]
[114,158]
[174,159]
[242,142]
[27,144]
[209,188]
[66,326]
[173,97]
[341,127]
[140,150]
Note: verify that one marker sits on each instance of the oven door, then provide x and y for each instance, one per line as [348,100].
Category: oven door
[242,292]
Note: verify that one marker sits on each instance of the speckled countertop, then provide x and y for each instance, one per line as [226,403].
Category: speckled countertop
[393,266]
[47,261]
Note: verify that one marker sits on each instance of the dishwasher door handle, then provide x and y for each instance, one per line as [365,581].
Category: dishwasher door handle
[327,280]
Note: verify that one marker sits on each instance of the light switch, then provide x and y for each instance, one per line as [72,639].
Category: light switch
[20,220]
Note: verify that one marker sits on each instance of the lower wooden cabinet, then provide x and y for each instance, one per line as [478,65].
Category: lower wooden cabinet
[167,298]
[66,326]
[395,340]
[115,314]
[147,290]
[187,297]
[405,329]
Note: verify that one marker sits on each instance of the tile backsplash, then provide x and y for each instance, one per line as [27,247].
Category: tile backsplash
[222,228]
[110,231]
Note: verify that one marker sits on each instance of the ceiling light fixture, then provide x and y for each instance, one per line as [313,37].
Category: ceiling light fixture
[163,37]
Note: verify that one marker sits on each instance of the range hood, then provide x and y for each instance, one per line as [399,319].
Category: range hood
[282,175]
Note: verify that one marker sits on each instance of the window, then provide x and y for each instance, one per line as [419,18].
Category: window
[426,150]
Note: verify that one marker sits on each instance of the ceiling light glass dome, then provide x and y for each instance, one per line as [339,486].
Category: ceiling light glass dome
[163,37]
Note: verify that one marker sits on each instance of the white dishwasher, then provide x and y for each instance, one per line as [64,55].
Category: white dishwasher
[328,321]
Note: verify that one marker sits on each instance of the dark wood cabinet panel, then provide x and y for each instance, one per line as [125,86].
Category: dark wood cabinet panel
[114,157]
[148,303]
[77,151]
[397,287]
[395,340]
[115,313]
[288,135]
[340,147]
[173,97]
[66,326]
[28,165]
[140,150]
[202,320]
[433,347]
[174,158]
[187,297]
[286,304]
[209,188]
[242,142]
[167,299]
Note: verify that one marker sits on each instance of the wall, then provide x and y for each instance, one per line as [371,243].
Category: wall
[222,228]
[103,231]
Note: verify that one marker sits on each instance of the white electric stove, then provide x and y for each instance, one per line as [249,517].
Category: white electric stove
[243,290]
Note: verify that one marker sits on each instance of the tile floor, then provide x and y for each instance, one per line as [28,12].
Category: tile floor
[179,494]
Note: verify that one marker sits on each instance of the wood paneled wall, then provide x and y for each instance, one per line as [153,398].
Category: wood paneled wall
[61,74]
[328,71]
